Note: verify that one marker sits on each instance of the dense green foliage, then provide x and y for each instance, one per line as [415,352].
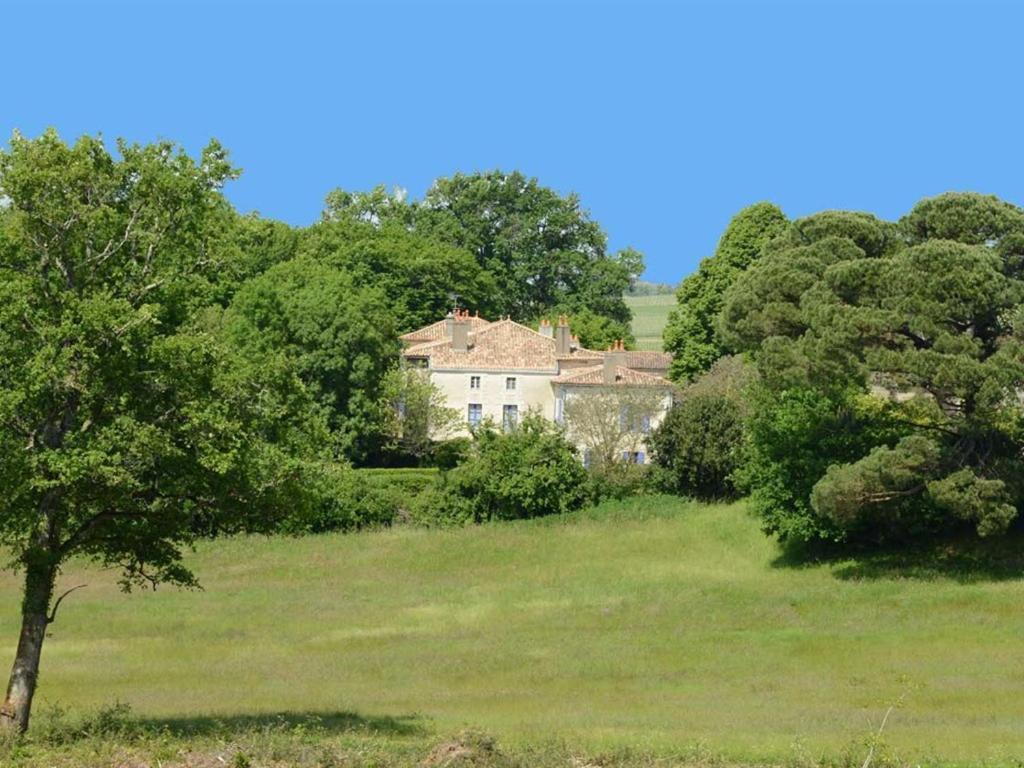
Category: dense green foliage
[541,251]
[527,472]
[337,334]
[893,362]
[697,446]
[418,276]
[690,334]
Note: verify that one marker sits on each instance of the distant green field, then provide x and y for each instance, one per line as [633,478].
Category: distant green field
[650,313]
[651,624]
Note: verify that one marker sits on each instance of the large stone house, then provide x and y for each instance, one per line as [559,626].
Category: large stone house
[500,369]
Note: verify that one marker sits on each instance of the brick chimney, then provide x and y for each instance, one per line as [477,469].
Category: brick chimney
[460,331]
[546,328]
[613,358]
[563,340]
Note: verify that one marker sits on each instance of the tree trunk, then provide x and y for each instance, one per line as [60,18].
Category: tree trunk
[35,607]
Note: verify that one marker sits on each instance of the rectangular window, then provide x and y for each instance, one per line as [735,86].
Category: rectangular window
[633,457]
[474,382]
[510,383]
[645,425]
[509,417]
[476,414]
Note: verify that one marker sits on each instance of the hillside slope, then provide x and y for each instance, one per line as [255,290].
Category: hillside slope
[650,623]
[650,314]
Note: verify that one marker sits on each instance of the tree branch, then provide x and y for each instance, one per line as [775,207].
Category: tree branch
[56,605]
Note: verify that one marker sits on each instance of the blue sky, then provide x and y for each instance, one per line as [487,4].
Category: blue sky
[665,118]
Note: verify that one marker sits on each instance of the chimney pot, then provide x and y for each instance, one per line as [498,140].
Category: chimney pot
[613,358]
[563,339]
[460,333]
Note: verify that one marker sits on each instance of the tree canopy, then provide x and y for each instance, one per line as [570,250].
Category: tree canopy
[419,277]
[336,333]
[690,334]
[542,250]
[923,318]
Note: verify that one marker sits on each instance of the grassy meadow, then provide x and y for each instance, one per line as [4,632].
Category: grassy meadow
[650,313]
[652,625]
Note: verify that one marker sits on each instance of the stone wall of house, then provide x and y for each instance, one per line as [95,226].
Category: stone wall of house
[532,390]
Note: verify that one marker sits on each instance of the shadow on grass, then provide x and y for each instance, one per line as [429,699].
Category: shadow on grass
[963,558]
[321,722]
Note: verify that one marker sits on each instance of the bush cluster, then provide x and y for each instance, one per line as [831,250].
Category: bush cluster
[529,472]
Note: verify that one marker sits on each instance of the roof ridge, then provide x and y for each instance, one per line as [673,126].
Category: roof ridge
[577,372]
[644,374]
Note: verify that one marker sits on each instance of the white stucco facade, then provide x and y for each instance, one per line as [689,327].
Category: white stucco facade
[532,389]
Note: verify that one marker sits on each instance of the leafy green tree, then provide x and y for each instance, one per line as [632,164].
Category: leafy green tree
[607,421]
[416,415]
[698,446]
[690,334]
[543,249]
[966,217]
[792,437]
[419,277]
[127,432]
[928,326]
[377,207]
[339,337]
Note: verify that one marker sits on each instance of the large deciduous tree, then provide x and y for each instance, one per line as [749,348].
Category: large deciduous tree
[336,332]
[908,344]
[543,249]
[691,334]
[420,277]
[127,430]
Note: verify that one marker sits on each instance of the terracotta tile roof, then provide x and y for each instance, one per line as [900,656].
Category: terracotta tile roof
[508,345]
[580,353]
[501,345]
[658,361]
[436,331]
[593,376]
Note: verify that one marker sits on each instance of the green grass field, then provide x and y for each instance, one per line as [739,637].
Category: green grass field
[652,624]
[650,313]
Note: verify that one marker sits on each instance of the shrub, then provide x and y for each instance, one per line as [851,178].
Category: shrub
[617,480]
[450,453]
[528,472]
[346,501]
[697,446]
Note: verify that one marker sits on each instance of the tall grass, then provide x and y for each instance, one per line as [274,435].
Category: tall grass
[652,625]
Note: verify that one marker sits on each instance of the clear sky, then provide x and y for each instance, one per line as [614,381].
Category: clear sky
[664,118]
